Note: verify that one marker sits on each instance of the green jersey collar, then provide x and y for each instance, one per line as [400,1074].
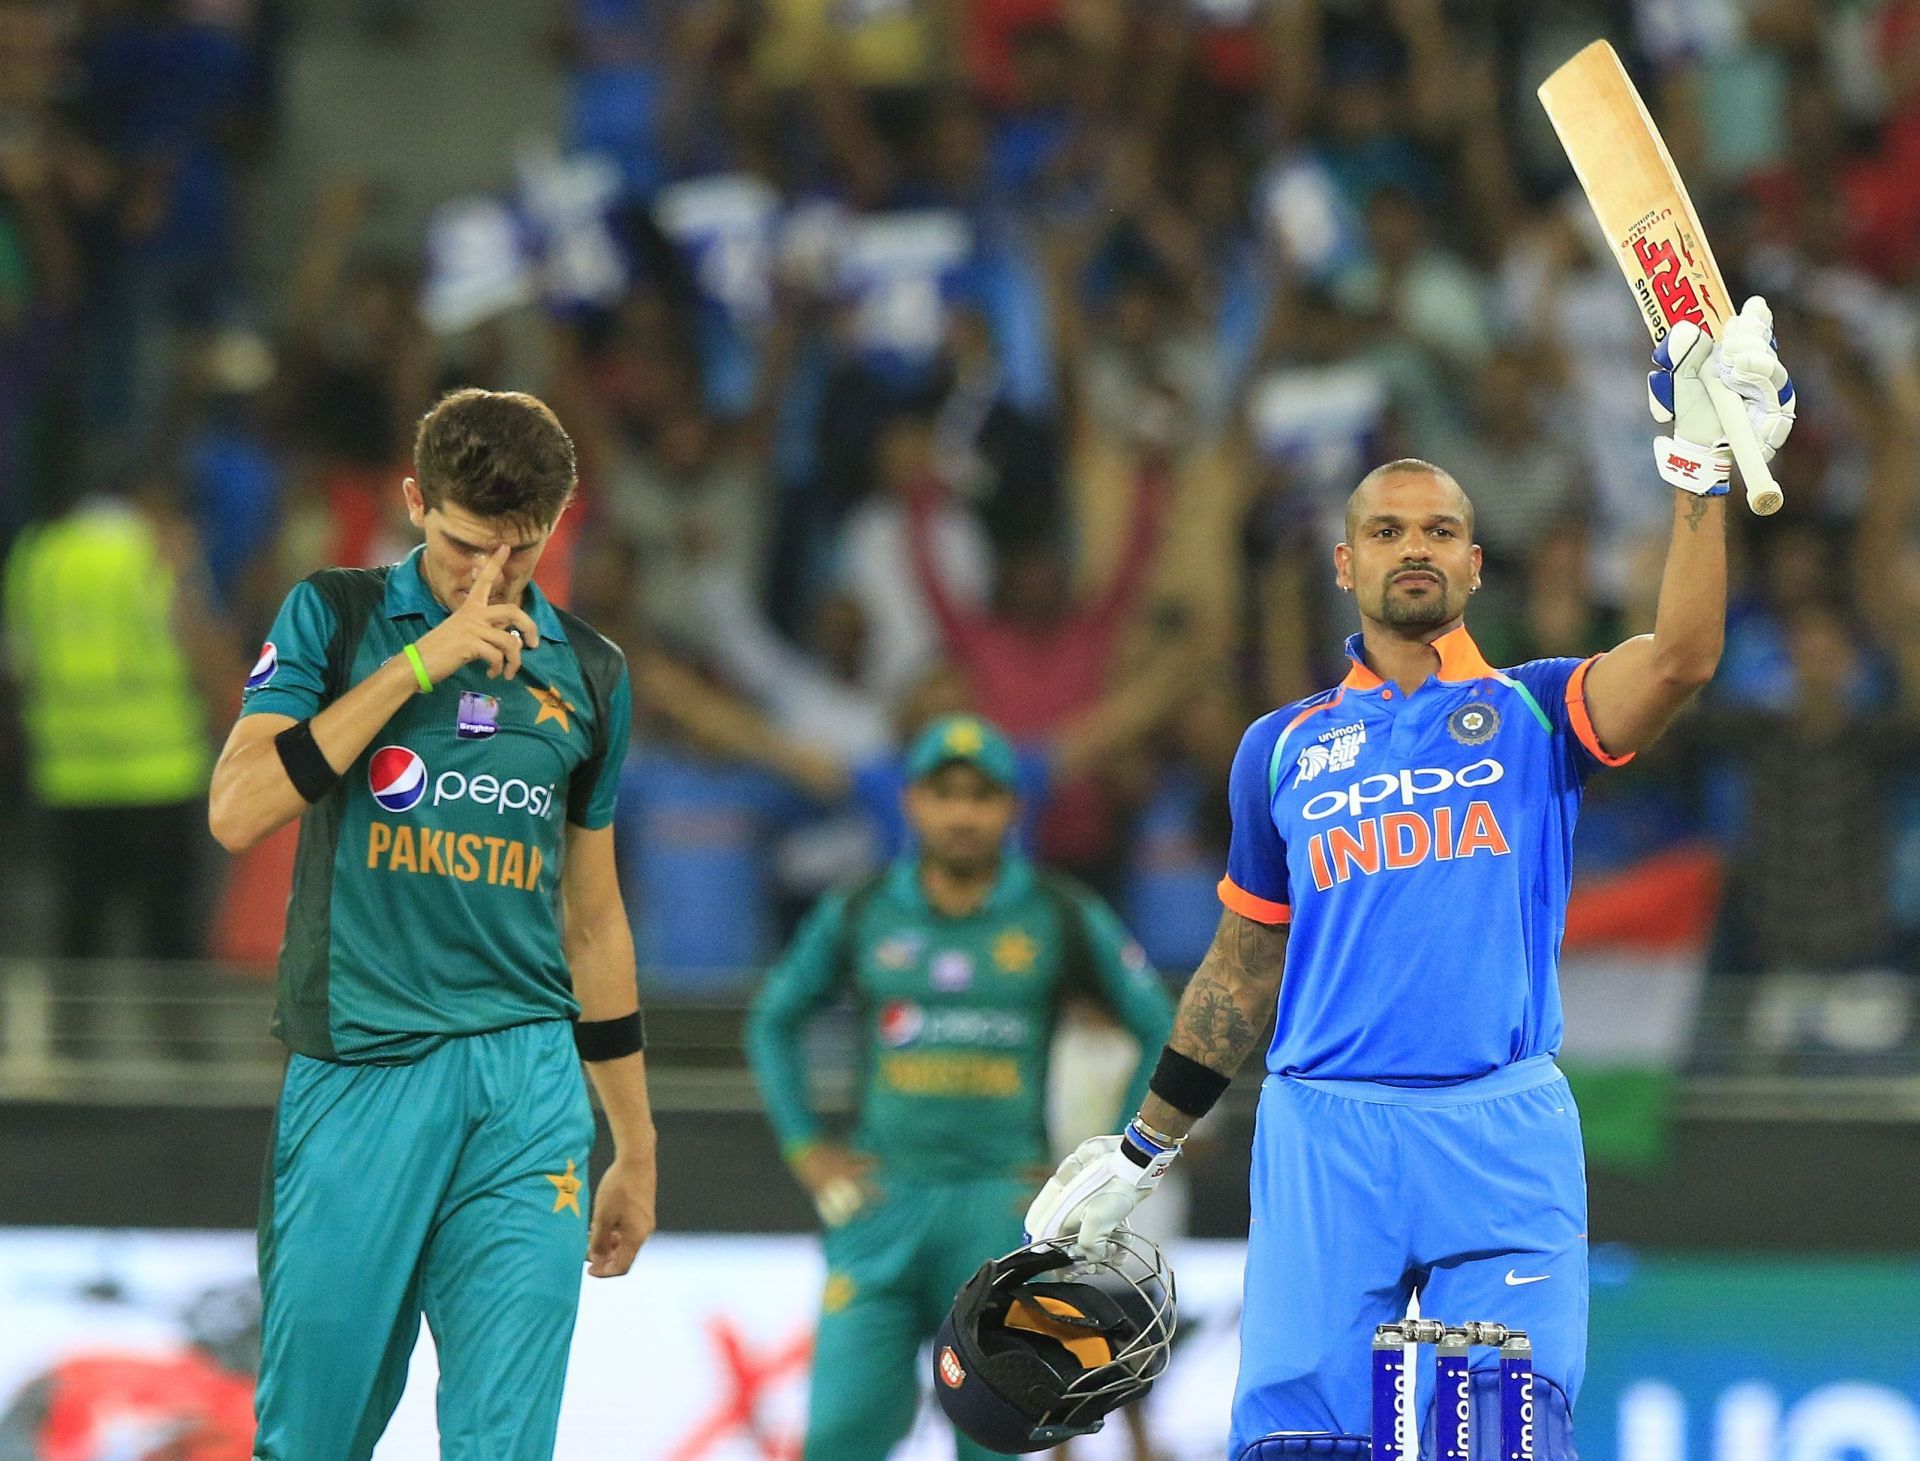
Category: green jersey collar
[407,593]
[1014,883]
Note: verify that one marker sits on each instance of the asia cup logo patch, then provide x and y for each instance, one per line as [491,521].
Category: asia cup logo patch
[397,778]
[952,1375]
[1474,723]
[265,667]
[1337,751]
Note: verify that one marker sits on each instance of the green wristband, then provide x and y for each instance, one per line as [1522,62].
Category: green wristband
[412,652]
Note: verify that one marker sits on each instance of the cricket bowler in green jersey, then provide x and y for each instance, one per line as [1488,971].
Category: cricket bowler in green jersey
[957,959]
[456,947]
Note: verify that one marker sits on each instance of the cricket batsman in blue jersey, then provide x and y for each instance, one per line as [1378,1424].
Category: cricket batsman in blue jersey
[1396,890]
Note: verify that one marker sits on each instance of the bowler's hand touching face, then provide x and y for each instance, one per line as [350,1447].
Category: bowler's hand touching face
[460,545]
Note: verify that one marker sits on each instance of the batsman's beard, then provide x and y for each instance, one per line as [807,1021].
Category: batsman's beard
[1427,611]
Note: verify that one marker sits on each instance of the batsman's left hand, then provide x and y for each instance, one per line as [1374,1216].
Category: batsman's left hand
[1092,1194]
[622,1215]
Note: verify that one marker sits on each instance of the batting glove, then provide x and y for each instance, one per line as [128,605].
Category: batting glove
[1750,365]
[1095,1190]
[1696,457]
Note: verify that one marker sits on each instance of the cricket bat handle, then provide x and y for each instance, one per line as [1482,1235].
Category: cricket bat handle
[1763,494]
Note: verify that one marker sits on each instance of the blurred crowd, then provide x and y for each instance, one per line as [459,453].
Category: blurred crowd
[1012,354]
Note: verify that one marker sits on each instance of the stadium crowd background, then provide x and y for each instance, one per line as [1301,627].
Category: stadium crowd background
[922,353]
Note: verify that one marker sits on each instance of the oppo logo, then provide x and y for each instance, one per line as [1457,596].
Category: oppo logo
[1404,786]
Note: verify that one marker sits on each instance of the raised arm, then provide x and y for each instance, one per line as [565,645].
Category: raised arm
[1130,711]
[956,625]
[1633,691]
[726,727]
[1152,490]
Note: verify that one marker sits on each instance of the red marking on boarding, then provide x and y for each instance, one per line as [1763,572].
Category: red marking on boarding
[747,1377]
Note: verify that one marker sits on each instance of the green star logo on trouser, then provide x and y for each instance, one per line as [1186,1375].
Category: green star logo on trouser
[432,1137]
[956,1017]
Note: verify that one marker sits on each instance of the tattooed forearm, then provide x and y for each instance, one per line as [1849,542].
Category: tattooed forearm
[1696,512]
[1225,1009]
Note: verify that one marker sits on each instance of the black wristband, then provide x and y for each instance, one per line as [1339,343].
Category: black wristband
[610,1039]
[1186,1085]
[307,767]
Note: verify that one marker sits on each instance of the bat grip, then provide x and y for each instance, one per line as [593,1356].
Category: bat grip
[1763,494]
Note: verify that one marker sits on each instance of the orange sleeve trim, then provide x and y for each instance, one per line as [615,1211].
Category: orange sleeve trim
[1260,910]
[1582,722]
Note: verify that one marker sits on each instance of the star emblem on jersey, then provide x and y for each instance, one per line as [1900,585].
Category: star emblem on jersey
[1474,723]
[1014,952]
[552,707]
[566,1189]
[839,1293]
[965,738]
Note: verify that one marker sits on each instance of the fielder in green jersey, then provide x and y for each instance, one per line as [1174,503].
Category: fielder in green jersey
[456,946]
[957,960]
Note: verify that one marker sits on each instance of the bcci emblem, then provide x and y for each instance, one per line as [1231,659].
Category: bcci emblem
[1473,724]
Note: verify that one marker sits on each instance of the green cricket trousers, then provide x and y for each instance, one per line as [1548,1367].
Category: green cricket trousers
[453,1186]
[892,1272]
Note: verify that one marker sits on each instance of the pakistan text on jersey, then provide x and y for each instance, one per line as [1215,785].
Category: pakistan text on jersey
[466,856]
[1398,840]
[950,1073]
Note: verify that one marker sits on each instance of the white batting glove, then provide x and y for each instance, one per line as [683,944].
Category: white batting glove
[1696,457]
[1750,365]
[1094,1191]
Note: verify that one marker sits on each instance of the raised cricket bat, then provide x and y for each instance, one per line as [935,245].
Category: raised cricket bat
[1643,207]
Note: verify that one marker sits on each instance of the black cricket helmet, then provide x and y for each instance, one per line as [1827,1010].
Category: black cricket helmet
[1042,1344]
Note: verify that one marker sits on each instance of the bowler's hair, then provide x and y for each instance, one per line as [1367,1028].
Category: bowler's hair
[500,455]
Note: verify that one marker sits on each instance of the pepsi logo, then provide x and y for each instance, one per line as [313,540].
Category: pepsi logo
[900,1022]
[264,667]
[397,778]
[951,1373]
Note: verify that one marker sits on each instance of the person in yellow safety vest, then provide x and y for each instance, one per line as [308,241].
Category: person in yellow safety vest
[109,644]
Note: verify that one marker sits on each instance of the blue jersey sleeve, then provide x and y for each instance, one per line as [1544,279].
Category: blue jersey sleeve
[1557,687]
[1256,882]
[290,677]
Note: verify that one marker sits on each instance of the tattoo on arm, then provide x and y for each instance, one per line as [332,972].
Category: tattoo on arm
[1226,1006]
[1696,514]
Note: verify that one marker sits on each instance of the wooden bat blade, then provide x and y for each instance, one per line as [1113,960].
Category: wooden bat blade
[1635,191]
[1641,202]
